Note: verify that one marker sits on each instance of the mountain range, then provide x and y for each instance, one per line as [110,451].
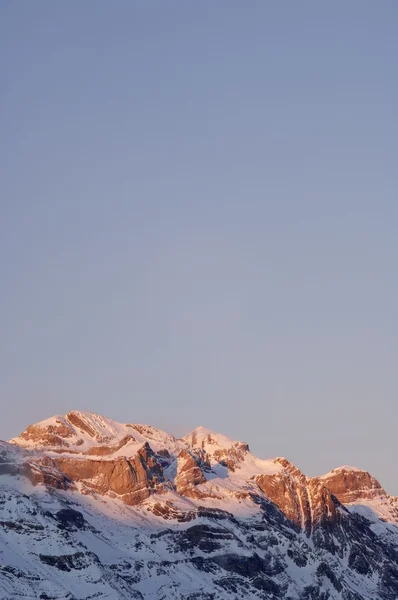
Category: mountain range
[95,509]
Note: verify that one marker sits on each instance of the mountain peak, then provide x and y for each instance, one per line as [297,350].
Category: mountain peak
[83,432]
[347,468]
[202,437]
[350,484]
[227,520]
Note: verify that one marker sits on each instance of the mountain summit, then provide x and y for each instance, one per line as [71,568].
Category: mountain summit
[93,508]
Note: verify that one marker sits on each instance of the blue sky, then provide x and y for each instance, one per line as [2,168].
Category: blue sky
[198,221]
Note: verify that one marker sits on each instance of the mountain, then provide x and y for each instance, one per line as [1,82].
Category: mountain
[91,508]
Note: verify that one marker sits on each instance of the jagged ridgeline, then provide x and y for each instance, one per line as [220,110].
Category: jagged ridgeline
[92,508]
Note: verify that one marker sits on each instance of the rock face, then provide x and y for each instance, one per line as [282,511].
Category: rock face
[189,475]
[232,457]
[350,485]
[82,432]
[132,480]
[54,435]
[112,448]
[304,501]
[213,447]
[91,508]
[45,471]
[38,470]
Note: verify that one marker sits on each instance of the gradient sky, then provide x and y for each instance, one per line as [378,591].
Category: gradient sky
[199,219]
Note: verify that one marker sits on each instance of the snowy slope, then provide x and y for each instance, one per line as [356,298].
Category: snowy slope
[222,539]
[80,432]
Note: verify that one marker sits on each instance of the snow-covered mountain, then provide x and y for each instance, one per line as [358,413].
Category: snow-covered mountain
[92,508]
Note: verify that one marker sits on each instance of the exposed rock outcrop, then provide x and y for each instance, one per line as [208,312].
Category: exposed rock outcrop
[349,485]
[111,449]
[232,457]
[216,448]
[39,469]
[304,501]
[179,541]
[131,479]
[45,471]
[60,433]
[189,475]
[52,435]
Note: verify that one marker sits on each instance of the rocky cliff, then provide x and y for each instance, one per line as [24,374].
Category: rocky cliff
[92,508]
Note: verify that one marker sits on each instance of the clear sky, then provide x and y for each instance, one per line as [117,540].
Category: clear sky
[199,218]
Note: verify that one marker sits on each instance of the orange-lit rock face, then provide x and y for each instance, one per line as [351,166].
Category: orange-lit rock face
[110,458]
[41,470]
[304,501]
[194,520]
[44,471]
[232,457]
[350,485]
[133,479]
[212,447]
[111,449]
[53,435]
[189,474]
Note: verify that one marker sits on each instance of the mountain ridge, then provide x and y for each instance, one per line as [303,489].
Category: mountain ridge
[210,520]
[203,432]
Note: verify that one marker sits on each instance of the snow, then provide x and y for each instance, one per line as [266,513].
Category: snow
[201,437]
[118,535]
[96,431]
[339,469]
